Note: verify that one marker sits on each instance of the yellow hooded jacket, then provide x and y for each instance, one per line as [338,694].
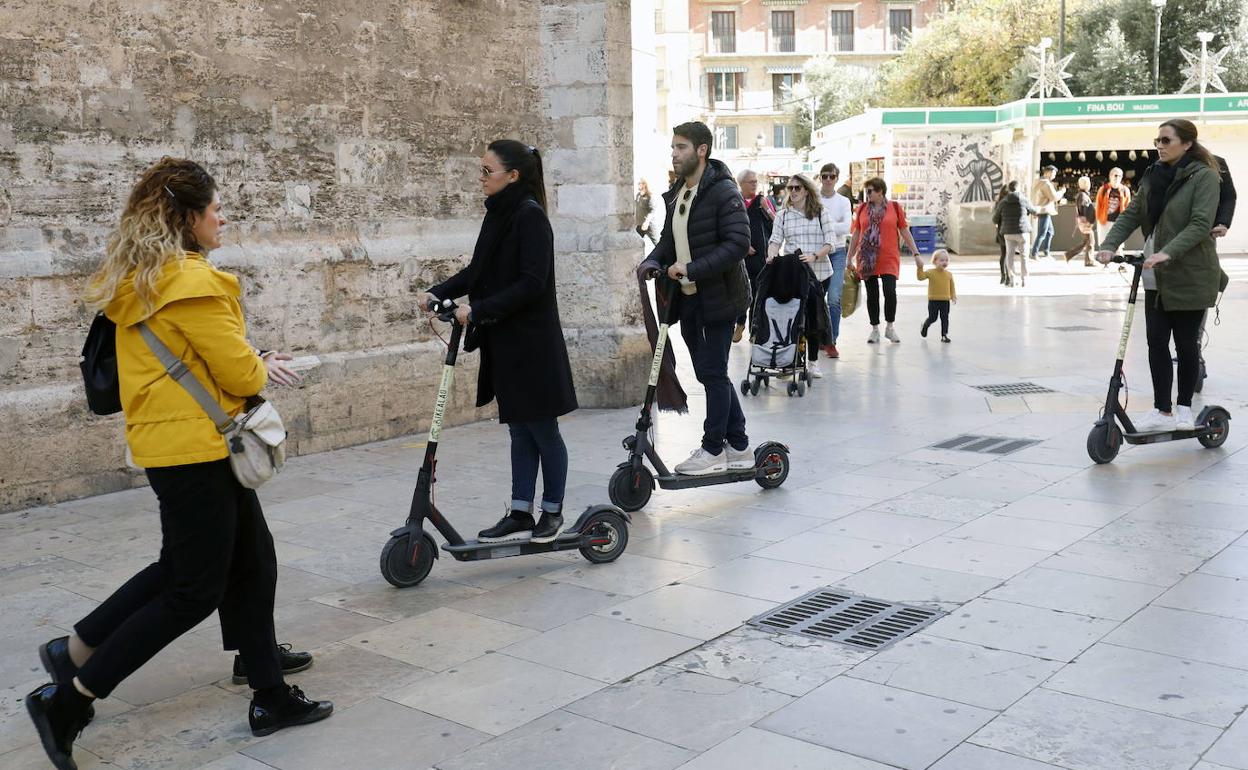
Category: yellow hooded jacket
[198,316]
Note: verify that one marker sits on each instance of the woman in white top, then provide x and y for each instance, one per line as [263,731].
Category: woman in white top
[806,224]
[842,223]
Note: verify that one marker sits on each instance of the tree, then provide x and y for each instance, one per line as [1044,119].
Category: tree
[1112,67]
[839,90]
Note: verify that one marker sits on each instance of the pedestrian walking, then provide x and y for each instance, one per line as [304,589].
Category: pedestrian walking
[643,214]
[1046,197]
[842,220]
[702,250]
[512,317]
[761,214]
[996,221]
[804,225]
[1226,200]
[941,291]
[1012,212]
[216,553]
[1085,219]
[1175,208]
[1112,199]
[875,254]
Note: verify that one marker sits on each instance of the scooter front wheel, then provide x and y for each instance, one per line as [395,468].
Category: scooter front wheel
[608,534]
[1218,425]
[630,488]
[773,463]
[1104,441]
[398,566]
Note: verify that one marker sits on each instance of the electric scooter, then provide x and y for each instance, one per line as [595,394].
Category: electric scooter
[600,533]
[1212,425]
[632,483]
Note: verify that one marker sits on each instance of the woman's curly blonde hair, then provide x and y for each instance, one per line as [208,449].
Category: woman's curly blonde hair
[155,229]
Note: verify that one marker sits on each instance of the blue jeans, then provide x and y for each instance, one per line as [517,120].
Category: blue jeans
[708,345]
[1044,235]
[533,444]
[835,286]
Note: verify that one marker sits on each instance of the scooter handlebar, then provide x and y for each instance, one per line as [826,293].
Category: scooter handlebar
[1129,258]
[445,309]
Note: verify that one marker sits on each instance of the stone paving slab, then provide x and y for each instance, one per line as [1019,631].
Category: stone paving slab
[1097,614]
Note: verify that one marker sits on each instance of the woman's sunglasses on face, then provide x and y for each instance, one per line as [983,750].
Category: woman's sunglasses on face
[1163,141]
[795,188]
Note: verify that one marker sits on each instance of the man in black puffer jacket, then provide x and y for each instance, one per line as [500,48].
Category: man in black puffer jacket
[705,238]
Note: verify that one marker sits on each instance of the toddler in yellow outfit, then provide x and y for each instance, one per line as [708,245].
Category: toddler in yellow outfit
[940,291]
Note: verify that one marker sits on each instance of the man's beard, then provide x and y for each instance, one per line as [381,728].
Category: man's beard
[687,166]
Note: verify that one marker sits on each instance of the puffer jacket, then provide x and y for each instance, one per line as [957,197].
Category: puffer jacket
[1010,214]
[719,238]
[198,316]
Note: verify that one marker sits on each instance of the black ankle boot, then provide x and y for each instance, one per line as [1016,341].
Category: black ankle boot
[292,663]
[516,525]
[60,714]
[547,528]
[275,708]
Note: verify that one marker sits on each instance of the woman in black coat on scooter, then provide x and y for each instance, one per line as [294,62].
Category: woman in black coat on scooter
[512,316]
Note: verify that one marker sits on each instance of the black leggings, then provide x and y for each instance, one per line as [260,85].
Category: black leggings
[938,308]
[812,337]
[1184,326]
[216,553]
[873,298]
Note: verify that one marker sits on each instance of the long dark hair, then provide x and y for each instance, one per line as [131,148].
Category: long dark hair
[1186,131]
[525,160]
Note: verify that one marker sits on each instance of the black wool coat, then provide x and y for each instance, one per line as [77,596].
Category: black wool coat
[719,237]
[510,284]
[1010,214]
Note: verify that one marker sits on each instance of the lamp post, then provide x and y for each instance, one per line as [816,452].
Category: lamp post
[1043,50]
[1158,5]
[1204,38]
[1061,29]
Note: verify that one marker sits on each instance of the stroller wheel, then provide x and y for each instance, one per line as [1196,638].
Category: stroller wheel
[801,390]
[745,386]
[754,388]
[792,389]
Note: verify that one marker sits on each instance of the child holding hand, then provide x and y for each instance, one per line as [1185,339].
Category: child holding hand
[940,291]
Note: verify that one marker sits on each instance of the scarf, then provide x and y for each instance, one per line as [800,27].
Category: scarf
[1160,177]
[871,239]
[500,210]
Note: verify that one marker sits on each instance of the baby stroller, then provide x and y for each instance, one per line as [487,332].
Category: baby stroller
[779,319]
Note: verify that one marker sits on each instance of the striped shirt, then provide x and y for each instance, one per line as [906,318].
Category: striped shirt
[793,231]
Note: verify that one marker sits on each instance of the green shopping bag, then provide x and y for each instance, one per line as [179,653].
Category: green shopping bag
[851,293]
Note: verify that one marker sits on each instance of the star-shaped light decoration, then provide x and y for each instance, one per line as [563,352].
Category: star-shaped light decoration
[1048,73]
[1203,70]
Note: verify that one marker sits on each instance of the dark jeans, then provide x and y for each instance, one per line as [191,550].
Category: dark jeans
[938,308]
[873,298]
[1001,243]
[1044,234]
[708,345]
[812,339]
[533,444]
[216,553]
[1184,326]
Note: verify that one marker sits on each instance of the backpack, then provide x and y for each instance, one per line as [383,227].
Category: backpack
[99,367]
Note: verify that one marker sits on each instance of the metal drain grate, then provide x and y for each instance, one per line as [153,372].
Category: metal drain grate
[990,445]
[1013,389]
[1074,328]
[838,616]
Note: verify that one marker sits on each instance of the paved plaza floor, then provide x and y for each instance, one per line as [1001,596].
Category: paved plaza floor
[1097,615]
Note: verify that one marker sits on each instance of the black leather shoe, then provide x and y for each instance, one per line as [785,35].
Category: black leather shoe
[59,721]
[517,525]
[56,661]
[547,528]
[292,663]
[295,709]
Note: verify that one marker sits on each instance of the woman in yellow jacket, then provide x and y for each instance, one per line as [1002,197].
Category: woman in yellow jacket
[216,551]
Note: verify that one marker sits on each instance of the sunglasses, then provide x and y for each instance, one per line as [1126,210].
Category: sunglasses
[795,188]
[1163,141]
[487,171]
[828,176]
[685,197]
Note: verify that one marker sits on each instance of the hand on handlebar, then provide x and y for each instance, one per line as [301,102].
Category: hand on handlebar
[1104,257]
[1156,260]
[462,314]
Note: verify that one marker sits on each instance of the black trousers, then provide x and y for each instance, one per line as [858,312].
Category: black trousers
[217,554]
[812,338]
[938,308]
[708,345]
[1184,326]
[873,298]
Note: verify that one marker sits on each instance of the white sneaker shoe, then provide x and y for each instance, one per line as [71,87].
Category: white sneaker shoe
[740,461]
[1154,422]
[703,463]
[1183,419]
[891,334]
[812,369]
[875,335]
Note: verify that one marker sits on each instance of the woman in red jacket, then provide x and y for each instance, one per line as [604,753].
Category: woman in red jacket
[875,253]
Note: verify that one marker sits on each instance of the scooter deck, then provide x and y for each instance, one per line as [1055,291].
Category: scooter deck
[475,550]
[1165,435]
[682,481]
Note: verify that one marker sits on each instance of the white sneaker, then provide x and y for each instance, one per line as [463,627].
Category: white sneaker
[740,461]
[1154,422]
[875,335]
[812,369]
[891,334]
[703,463]
[1183,419]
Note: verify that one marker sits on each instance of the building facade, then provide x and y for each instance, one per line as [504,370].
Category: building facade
[735,63]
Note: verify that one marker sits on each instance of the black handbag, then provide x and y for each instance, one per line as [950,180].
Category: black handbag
[99,367]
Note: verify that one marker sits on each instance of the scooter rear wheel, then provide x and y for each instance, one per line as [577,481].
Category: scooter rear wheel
[1219,427]
[630,489]
[777,460]
[396,566]
[612,530]
[1104,441]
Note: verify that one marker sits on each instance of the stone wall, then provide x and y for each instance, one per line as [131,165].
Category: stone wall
[346,139]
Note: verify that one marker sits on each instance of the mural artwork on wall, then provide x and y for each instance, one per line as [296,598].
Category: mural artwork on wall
[983,177]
